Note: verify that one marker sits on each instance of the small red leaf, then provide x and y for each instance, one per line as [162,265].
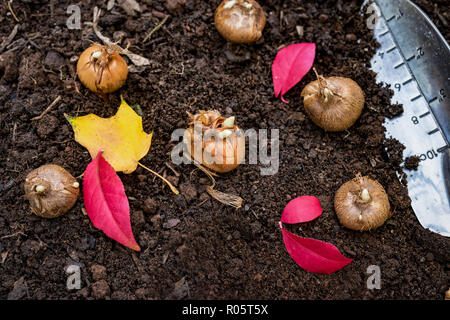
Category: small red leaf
[301,209]
[106,203]
[290,66]
[314,255]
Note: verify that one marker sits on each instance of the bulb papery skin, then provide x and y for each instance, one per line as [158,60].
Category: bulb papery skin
[51,190]
[362,210]
[215,146]
[240,21]
[334,103]
[100,70]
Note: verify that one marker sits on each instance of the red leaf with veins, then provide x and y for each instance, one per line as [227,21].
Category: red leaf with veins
[106,203]
[290,66]
[301,209]
[314,255]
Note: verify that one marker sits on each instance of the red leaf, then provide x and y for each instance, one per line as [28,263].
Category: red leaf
[301,209]
[314,255]
[106,203]
[290,66]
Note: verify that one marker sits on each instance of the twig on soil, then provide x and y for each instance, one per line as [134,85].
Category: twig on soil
[13,235]
[4,256]
[174,190]
[52,8]
[80,176]
[173,170]
[225,198]
[348,133]
[13,139]
[156,28]
[165,257]
[135,58]
[48,109]
[72,69]
[12,12]
[10,38]
[137,263]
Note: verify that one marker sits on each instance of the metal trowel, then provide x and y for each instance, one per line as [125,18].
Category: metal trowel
[414,58]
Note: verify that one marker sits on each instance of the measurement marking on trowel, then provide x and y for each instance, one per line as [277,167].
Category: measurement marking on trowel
[390,18]
[418,73]
[399,65]
[410,72]
[442,149]
[391,49]
[408,81]
[433,131]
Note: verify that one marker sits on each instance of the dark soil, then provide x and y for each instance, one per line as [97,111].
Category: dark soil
[211,251]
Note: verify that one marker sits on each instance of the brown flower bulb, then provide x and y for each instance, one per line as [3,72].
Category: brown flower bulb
[51,190]
[102,70]
[362,204]
[240,21]
[333,103]
[215,141]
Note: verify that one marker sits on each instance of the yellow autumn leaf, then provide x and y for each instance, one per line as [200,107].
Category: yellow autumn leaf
[121,137]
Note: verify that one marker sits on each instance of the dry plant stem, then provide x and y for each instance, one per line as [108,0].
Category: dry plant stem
[156,28]
[225,198]
[10,38]
[319,78]
[325,92]
[13,235]
[12,12]
[173,170]
[48,109]
[135,58]
[174,190]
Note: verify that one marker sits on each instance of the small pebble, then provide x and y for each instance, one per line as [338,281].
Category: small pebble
[100,289]
[137,219]
[98,272]
[156,220]
[140,293]
[173,180]
[180,249]
[323,17]
[188,191]
[150,206]
[171,223]
[350,37]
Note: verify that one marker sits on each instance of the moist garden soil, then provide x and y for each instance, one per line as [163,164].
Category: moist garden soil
[193,246]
